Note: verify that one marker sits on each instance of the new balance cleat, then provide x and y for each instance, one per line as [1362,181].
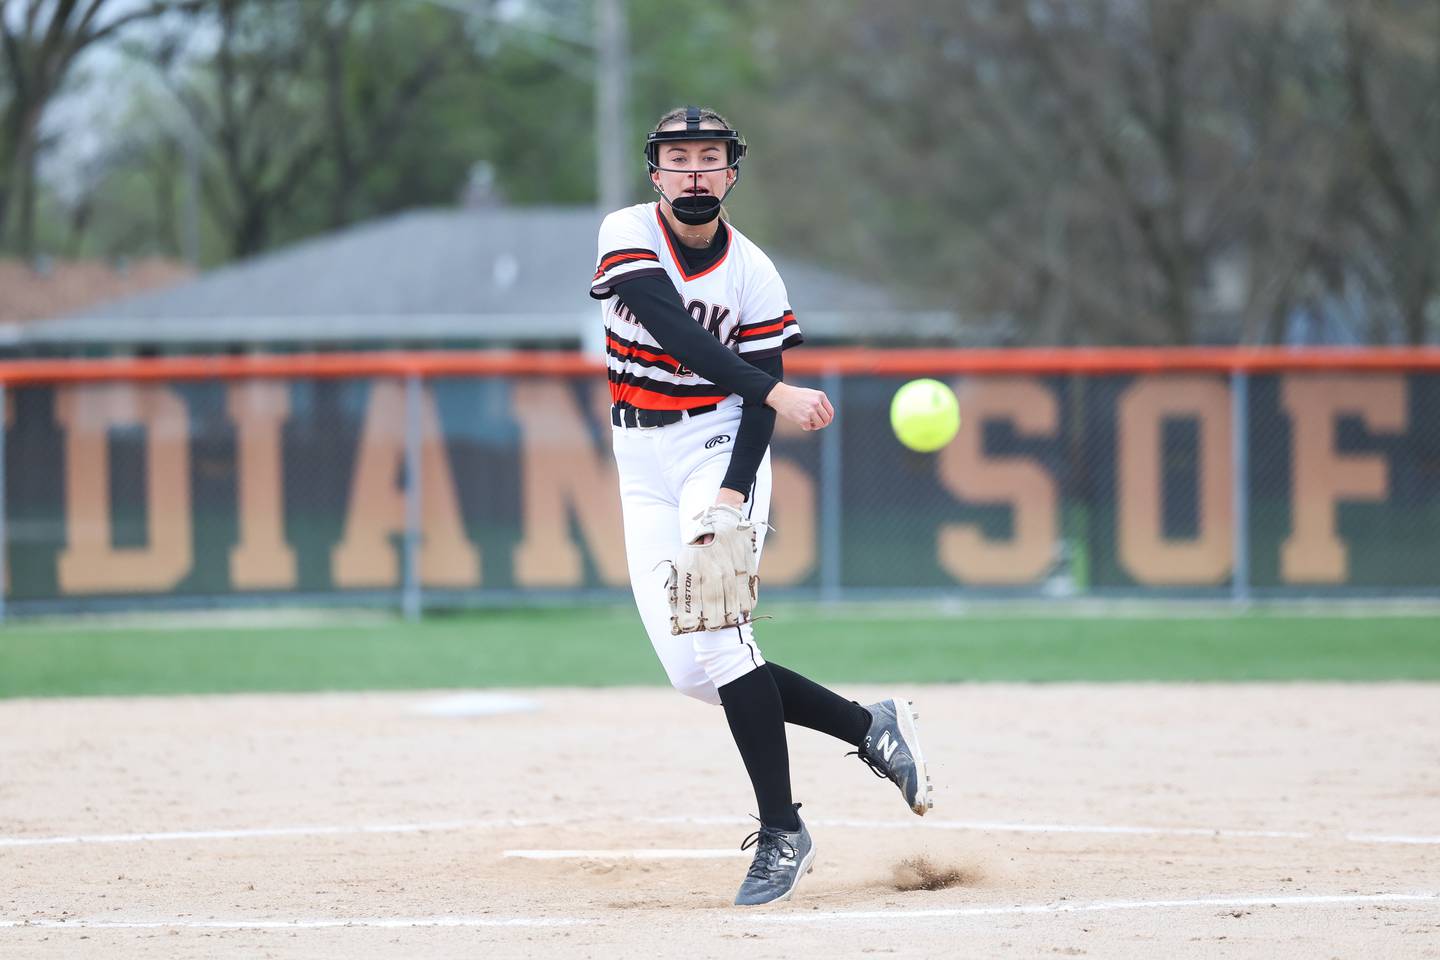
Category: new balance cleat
[781,859]
[892,751]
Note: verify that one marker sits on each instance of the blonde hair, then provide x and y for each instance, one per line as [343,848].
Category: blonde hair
[679,113]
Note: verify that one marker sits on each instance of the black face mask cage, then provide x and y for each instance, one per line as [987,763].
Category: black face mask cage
[691,209]
[734,145]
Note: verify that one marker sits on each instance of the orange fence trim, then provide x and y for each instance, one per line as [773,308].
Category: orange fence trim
[1116,360]
[290,366]
[843,360]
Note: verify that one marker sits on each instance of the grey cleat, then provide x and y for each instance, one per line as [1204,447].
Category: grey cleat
[892,751]
[781,859]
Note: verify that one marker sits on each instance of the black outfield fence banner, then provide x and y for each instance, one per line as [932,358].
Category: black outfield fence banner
[458,489]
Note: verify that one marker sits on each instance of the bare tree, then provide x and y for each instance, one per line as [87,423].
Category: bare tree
[293,105]
[1198,133]
[367,111]
[39,43]
[1392,72]
[1085,168]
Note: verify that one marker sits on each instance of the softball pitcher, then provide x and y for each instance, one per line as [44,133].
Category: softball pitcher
[696,322]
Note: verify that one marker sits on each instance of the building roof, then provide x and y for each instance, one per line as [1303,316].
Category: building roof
[479,273]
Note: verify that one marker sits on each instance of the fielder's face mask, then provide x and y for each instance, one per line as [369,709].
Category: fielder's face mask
[691,208]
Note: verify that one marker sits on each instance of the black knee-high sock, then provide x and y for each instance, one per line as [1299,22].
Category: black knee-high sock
[757,722]
[811,705]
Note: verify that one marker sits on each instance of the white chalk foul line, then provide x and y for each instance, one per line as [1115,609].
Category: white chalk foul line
[1389,838]
[317,830]
[988,826]
[980,826]
[830,916]
[389,923]
[640,854]
[747,917]
[994,826]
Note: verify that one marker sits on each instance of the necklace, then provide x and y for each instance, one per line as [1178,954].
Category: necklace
[698,237]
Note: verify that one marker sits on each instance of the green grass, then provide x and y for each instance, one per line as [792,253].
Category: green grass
[605,646]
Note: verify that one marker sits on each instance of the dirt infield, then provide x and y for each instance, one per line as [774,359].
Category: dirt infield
[1116,821]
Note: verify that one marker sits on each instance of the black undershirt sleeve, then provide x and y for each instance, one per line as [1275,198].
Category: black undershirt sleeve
[752,437]
[657,306]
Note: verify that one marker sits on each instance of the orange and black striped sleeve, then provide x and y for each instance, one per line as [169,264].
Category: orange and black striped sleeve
[623,264]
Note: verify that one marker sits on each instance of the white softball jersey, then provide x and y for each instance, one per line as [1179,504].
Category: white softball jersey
[740,299]
[670,474]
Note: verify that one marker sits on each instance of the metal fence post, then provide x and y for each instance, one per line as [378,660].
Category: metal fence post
[1240,484]
[410,598]
[831,474]
[4,540]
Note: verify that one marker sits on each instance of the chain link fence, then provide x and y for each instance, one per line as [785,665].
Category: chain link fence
[465,490]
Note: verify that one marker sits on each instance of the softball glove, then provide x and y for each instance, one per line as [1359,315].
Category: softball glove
[714,584]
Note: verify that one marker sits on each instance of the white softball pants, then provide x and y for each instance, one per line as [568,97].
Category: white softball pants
[668,476]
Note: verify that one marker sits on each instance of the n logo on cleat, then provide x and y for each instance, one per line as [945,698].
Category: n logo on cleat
[886,746]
